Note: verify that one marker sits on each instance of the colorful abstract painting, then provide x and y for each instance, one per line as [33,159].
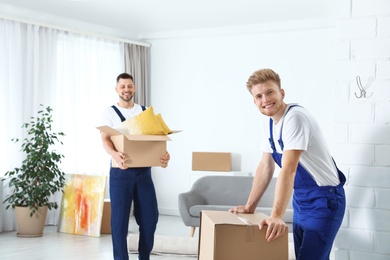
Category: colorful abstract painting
[82,205]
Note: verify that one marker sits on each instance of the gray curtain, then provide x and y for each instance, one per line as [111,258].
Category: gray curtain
[136,64]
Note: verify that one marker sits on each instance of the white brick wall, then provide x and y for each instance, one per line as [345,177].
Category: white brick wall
[351,154]
[382,91]
[354,112]
[360,197]
[383,243]
[369,133]
[370,8]
[383,26]
[357,28]
[383,67]
[363,128]
[348,70]
[341,133]
[382,199]
[368,176]
[370,48]
[382,157]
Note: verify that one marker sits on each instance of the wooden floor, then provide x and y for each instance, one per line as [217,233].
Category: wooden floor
[54,245]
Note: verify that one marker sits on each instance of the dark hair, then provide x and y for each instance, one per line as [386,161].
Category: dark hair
[124,76]
[261,76]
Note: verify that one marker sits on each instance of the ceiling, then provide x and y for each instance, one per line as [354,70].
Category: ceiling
[137,17]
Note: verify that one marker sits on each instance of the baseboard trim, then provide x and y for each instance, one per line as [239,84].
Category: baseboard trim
[169,212]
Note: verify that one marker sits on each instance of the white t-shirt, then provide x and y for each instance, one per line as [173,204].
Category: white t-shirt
[301,132]
[111,118]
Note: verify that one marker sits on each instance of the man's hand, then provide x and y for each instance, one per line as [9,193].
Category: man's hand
[276,227]
[165,159]
[239,209]
[120,159]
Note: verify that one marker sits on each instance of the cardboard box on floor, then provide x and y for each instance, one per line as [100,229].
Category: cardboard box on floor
[142,150]
[106,218]
[211,161]
[227,236]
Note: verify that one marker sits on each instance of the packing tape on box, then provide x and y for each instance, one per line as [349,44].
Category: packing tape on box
[249,230]
[245,221]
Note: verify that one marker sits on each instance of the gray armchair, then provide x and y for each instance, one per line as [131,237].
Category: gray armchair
[223,193]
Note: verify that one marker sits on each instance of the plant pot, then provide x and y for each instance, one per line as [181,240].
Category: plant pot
[30,226]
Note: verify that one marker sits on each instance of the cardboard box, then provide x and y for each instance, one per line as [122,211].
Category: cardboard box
[227,236]
[142,150]
[211,161]
[106,218]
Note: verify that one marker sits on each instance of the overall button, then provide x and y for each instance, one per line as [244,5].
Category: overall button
[331,190]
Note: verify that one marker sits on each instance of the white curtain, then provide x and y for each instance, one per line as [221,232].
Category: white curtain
[73,74]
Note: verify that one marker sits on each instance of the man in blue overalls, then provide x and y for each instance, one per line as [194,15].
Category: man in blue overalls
[293,139]
[129,184]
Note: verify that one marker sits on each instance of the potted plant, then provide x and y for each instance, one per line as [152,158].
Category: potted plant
[38,177]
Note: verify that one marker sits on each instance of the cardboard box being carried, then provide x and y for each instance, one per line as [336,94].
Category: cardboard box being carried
[227,236]
[211,161]
[142,150]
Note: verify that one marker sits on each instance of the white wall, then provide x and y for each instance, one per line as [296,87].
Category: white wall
[364,127]
[198,85]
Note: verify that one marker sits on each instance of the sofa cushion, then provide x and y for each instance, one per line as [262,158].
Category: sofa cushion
[222,193]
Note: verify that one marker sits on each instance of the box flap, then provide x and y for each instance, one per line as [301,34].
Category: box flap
[113,132]
[148,138]
[109,130]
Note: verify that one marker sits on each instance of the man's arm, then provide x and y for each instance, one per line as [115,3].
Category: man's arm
[283,192]
[263,176]
[119,157]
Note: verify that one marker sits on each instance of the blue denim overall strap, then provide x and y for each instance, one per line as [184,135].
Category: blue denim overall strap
[120,114]
[318,210]
[271,139]
[302,178]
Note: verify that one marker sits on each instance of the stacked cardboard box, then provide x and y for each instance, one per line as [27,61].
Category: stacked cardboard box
[106,218]
[211,161]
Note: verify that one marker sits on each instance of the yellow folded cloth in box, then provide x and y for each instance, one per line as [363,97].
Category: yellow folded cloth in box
[146,123]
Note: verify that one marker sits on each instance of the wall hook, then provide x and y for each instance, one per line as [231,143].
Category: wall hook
[363,92]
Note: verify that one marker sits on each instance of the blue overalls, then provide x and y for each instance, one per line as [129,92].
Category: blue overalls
[132,184]
[318,210]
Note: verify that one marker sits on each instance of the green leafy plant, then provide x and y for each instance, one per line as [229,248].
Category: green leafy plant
[39,176]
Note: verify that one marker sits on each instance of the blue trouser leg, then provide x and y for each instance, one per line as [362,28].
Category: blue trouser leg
[316,225]
[145,213]
[121,195]
[125,186]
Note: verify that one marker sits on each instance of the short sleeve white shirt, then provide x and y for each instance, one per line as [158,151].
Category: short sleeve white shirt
[112,119]
[300,131]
